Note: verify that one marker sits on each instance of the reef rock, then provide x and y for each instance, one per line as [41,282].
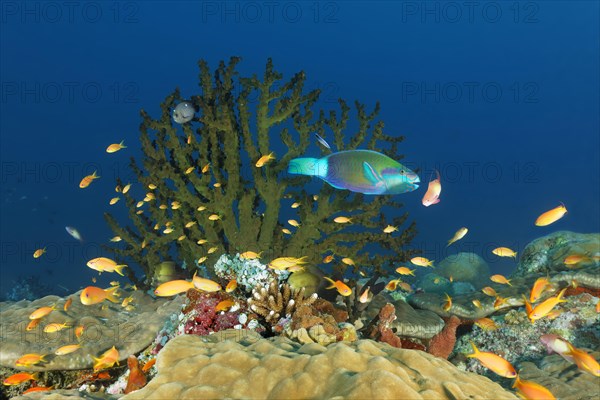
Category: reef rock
[465,267]
[130,331]
[189,367]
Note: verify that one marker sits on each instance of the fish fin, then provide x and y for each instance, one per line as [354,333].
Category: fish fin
[305,166]
[437,173]
[119,269]
[121,144]
[372,176]
[110,295]
[332,282]
[475,350]
[437,200]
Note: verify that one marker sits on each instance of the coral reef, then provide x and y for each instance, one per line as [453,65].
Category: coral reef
[442,344]
[28,288]
[189,367]
[319,321]
[380,328]
[277,301]
[247,273]
[201,182]
[131,331]
[465,267]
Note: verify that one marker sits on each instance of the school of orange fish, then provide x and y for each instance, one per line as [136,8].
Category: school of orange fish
[94,295]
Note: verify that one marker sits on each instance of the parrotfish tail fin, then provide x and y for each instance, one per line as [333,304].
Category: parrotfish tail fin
[119,269]
[305,166]
[110,294]
[475,350]
[331,281]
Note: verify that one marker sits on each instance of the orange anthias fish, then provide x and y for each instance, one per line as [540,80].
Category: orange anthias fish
[542,309]
[489,291]
[405,271]
[584,361]
[231,286]
[19,378]
[85,182]
[42,312]
[39,252]
[109,358]
[393,284]
[33,324]
[224,305]
[38,389]
[504,252]
[486,324]
[61,351]
[264,159]
[94,295]
[422,262]
[103,264]
[432,196]
[500,279]
[551,216]
[341,287]
[574,259]
[205,285]
[172,288]
[149,365]
[51,328]
[68,304]
[30,359]
[364,297]
[532,390]
[115,147]
[493,362]
[540,285]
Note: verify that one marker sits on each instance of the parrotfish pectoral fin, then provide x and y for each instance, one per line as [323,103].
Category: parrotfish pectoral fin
[372,176]
[305,166]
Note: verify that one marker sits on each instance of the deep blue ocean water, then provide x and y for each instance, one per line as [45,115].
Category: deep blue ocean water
[501,97]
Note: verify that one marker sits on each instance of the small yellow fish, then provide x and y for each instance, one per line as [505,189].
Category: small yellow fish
[224,305]
[103,264]
[476,303]
[175,205]
[364,297]
[341,287]
[342,220]
[542,309]
[250,255]
[126,188]
[264,159]
[212,249]
[458,235]
[390,229]
[116,239]
[405,286]
[107,359]
[204,284]
[500,279]
[201,208]
[551,216]
[163,206]
[168,230]
[295,205]
[115,283]
[144,244]
[114,200]
[217,184]
[51,328]
[328,259]
[93,295]
[422,262]
[283,263]
[214,217]
[405,271]
[315,197]
[393,284]
[180,238]
[67,304]
[293,223]
[500,301]
[489,291]
[172,288]
[348,261]
[151,186]
[79,331]
[150,196]
[61,351]
[118,188]
[139,212]
[576,259]
[584,361]
[126,301]
[202,241]
[42,312]
[286,231]
[39,252]
[540,285]
[85,182]
[202,259]
[190,224]
[448,303]
[493,362]
[487,324]
[532,390]
[29,360]
[139,204]
[205,168]
[231,286]
[504,252]
[189,170]
[33,324]
[115,147]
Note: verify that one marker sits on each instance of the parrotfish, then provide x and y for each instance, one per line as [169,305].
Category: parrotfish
[361,171]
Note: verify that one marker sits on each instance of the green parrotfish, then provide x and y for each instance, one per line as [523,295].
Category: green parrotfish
[361,171]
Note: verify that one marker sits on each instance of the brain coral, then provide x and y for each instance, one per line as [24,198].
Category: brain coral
[192,368]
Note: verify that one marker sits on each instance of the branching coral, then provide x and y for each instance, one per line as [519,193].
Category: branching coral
[206,167]
[277,301]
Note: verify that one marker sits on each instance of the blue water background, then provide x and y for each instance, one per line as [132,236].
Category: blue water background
[502,98]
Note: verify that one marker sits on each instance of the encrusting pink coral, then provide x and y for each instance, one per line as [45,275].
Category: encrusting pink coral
[380,328]
[442,344]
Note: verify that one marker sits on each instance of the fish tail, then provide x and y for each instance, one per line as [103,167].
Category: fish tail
[121,145]
[332,283]
[559,298]
[475,350]
[305,166]
[119,269]
[111,296]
